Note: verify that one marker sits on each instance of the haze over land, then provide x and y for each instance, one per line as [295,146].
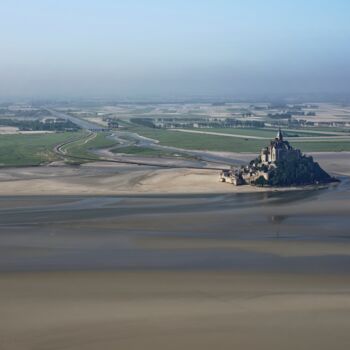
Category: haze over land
[167,49]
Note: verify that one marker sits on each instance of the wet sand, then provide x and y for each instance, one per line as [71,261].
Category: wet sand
[97,179]
[108,178]
[131,270]
[294,231]
[172,310]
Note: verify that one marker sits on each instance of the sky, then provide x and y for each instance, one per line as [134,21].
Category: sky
[167,48]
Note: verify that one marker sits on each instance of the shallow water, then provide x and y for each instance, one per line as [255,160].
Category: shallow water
[144,231]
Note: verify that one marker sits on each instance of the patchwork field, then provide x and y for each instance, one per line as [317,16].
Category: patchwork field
[135,124]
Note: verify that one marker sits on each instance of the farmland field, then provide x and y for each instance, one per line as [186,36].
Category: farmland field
[84,146]
[259,132]
[22,150]
[230,144]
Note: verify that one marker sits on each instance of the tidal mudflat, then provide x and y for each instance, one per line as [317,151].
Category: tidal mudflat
[256,270]
[274,231]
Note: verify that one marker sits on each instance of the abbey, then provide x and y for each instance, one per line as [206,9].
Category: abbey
[278,164]
[278,150]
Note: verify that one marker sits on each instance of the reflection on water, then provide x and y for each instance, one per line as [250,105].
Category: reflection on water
[277,230]
[104,232]
[277,219]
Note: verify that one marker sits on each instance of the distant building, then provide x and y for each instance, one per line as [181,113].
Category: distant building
[232,177]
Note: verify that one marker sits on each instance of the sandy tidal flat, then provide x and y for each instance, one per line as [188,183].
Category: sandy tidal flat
[99,179]
[102,257]
[109,178]
[171,310]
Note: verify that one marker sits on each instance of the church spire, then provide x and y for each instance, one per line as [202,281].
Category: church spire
[279,135]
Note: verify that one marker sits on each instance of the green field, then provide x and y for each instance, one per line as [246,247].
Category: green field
[228,144]
[199,141]
[83,147]
[30,150]
[329,129]
[26,150]
[323,146]
[270,134]
[21,150]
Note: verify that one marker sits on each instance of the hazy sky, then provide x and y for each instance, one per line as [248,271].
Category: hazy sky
[173,47]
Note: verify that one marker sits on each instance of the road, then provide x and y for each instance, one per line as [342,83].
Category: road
[224,159]
[84,124]
[61,150]
[339,137]
[128,139]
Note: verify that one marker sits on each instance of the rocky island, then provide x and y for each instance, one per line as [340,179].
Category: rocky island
[278,164]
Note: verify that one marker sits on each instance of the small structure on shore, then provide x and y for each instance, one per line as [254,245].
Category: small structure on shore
[278,164]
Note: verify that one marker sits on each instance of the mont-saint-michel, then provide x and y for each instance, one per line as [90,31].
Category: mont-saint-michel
[278,164]
[116,119]
[112,214]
